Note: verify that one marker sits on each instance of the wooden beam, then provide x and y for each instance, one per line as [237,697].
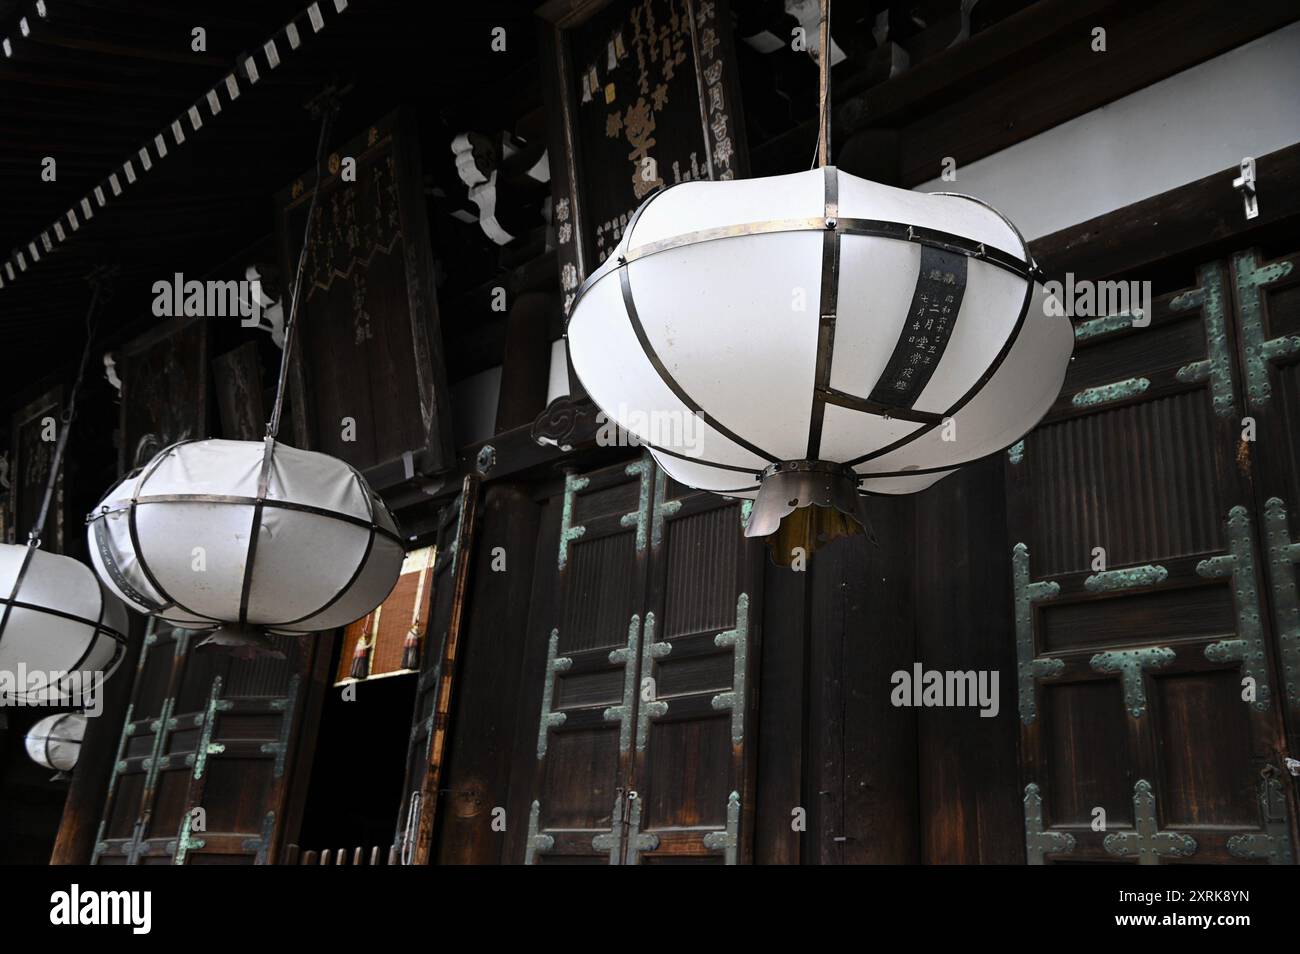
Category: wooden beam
[1181,220]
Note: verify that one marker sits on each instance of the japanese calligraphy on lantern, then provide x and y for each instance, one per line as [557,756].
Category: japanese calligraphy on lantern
[648,102]
[935,304]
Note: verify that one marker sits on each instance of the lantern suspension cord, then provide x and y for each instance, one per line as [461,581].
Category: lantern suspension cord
[824,86]
[98,278]
[328,107]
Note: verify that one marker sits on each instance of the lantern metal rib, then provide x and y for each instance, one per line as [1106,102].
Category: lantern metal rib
[827,304]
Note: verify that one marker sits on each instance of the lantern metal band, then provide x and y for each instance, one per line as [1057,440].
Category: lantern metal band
[832,227]
[260,504]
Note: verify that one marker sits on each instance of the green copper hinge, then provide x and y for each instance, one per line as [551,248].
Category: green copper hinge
[1251,278]
[1215,366]
[551,719]
[728,841]
[185,841]
[1274,842]
[207,719]
[746,509]
[649,708]
[1130,663]
[281,746]
[1016,452]
[1126,579]
[1028,667]
[1040,843]
[1115,391]
[262,843]
[536,841]
[738,639]
[1283,555]
[663,509]
[640,518]
[626,657]
[1146,841]
[612,841]
[569,532]
[1106,324]
[1248,647]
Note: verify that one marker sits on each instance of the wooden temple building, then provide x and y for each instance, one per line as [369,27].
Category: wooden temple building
[583,660]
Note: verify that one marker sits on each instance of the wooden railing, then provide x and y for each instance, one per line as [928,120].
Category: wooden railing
[341,856]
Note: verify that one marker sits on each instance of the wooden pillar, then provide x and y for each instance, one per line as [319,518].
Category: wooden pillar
[486,705]
[860,772]
[830,741]
[968,777]
[525,367]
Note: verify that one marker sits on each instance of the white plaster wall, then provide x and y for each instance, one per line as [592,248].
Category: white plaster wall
[1245,102]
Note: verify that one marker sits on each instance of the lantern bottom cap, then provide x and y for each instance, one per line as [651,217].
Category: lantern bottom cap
[244,641]
[789,485]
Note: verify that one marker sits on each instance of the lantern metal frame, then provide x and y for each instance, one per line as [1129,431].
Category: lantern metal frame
[785,485]
[832,227]
[259,503]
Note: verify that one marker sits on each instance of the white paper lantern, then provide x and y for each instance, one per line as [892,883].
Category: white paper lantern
[831,337]
[246,538]
[55,741]
[61,632]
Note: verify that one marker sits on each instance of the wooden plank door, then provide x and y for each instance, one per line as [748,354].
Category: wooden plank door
[580,812]
[201,770]
[647,693]
[438,654]
[695,706]
[1266,294]
[1150,727]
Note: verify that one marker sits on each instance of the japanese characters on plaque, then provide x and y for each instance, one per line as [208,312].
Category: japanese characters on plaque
[353,223]
[649,107]
[935,304]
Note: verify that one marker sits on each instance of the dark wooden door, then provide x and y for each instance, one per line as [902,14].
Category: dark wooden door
[201,768]
[1149,687]
[438,655]
[1266,298]
[641,735]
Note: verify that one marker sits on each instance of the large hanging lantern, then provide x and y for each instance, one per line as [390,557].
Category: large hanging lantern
[55,742]
[811,338]
[246,538]
[61,633]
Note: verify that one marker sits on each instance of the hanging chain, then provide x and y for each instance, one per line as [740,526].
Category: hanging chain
[327,106]
[98,279]
[824,86]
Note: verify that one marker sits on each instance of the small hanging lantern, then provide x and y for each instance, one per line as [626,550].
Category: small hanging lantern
[246,538]
[61,633]
[808,339]
[55,742]
[59,628]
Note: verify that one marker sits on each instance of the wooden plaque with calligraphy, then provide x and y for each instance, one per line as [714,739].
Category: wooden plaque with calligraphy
[645,95]
[368,383]
[164,376]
